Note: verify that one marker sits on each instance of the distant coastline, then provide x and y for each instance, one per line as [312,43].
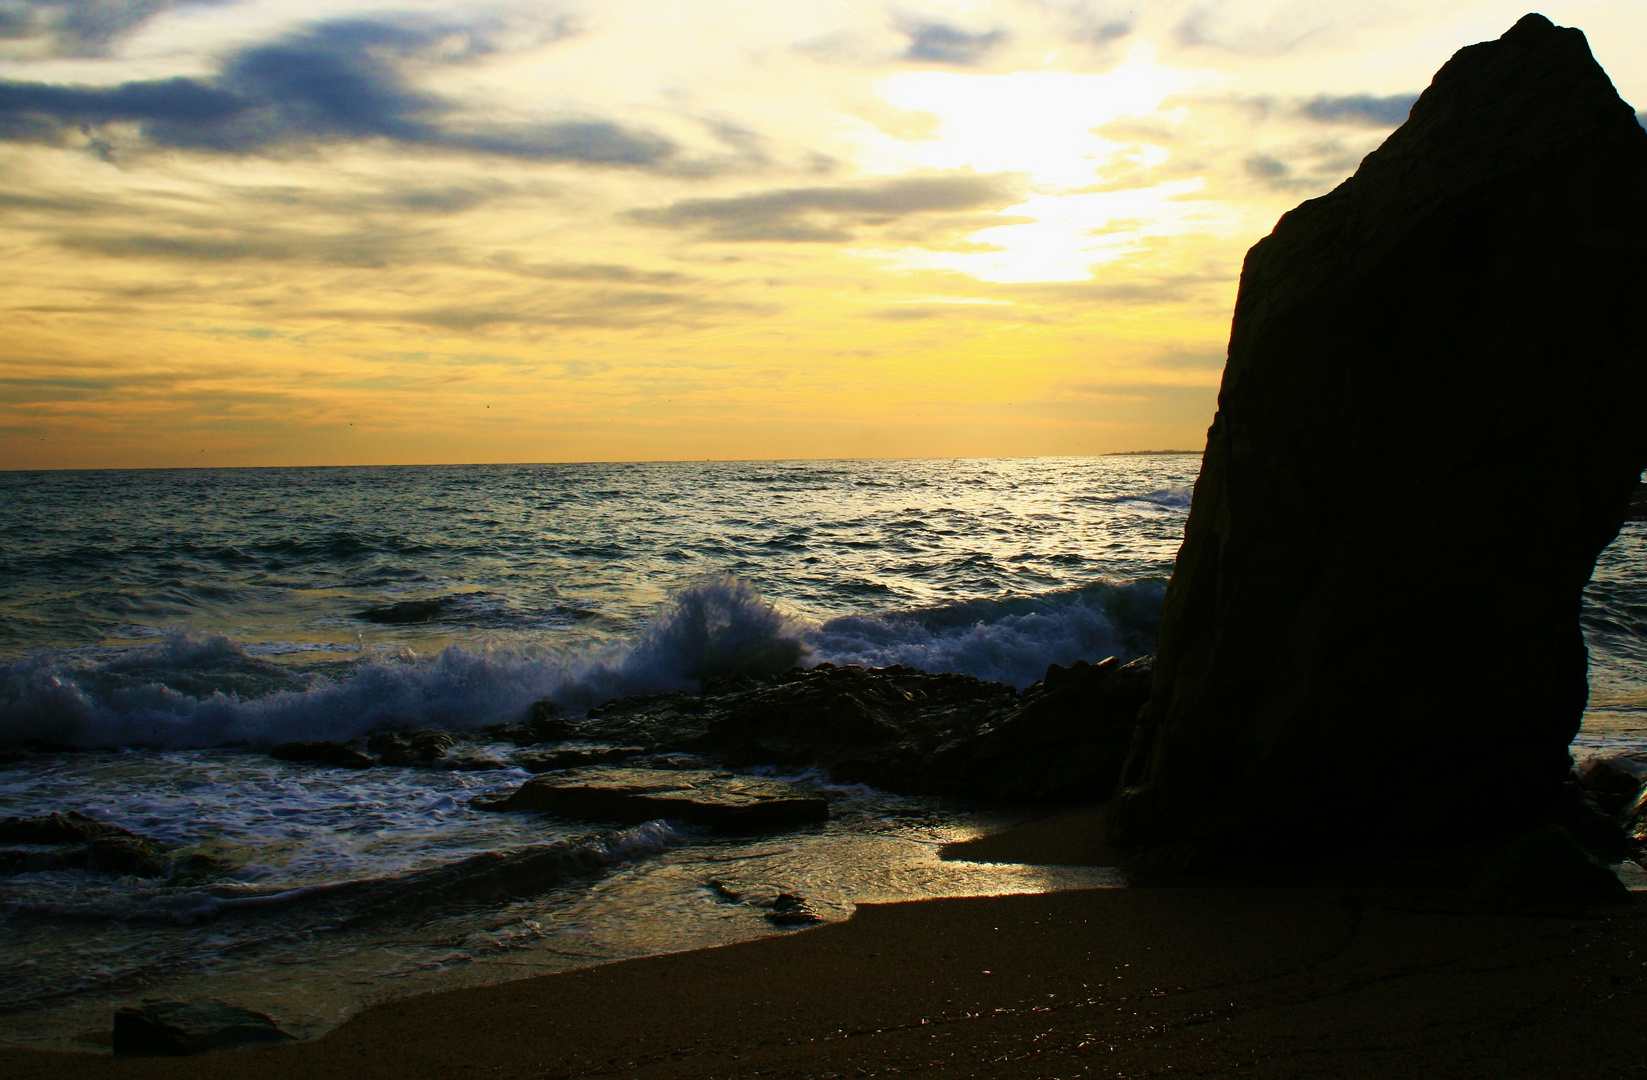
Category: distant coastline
[1148,453]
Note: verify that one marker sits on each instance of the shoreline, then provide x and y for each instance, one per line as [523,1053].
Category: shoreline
[1194,980]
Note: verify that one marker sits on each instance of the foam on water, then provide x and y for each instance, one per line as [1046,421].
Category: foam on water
[202,691]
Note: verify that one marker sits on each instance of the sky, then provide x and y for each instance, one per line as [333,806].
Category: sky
[295,232]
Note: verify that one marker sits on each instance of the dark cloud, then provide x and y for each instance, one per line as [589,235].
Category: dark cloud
[828,214]
[1360,109]
[335,82]
[81,27]
[939,43]
[1265,167]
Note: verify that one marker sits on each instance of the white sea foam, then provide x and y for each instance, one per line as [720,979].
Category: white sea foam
[192,691]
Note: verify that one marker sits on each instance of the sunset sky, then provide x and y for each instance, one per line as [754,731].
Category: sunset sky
[243,232]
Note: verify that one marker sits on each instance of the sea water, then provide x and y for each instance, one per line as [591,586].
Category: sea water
[163,628]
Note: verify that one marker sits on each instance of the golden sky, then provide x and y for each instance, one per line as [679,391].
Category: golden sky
[280,232]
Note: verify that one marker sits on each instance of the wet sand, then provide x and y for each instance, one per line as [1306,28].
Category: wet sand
[1150,981]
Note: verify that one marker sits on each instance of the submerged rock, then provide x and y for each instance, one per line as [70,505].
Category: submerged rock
[179,1027]
[406,611]
[1429,427]
[70,828]
[721,800]
[322,753]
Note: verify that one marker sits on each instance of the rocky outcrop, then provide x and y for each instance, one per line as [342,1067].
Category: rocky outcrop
[720,800]
[1428,429]
[902,730]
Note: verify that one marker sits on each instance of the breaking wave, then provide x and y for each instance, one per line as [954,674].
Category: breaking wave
[190,691]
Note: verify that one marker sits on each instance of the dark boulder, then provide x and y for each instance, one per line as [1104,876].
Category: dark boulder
[196,1027]
[322,753]
[721,800]
[1429,427]
[1066,741]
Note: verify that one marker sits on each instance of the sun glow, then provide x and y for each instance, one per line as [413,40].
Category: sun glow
[1045,126]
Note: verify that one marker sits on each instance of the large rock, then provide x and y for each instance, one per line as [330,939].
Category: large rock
[720,800]
[1428,429]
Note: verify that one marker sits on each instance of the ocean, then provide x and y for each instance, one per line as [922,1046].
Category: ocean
[160,630]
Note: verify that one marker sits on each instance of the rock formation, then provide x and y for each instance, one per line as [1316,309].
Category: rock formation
[1429,427]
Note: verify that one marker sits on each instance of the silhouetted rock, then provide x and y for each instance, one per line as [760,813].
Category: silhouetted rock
[322,752]
[1429,427]
[178,1027]
[1066,741]
[720,800]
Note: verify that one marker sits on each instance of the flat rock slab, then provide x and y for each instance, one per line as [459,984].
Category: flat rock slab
[721,800]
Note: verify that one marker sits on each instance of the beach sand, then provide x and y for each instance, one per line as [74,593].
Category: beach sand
[1188,980]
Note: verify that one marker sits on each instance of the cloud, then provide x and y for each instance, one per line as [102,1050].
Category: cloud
[1265,167]
[939,43]
[827,214]
[80,27]
[1360,109]
[339,81]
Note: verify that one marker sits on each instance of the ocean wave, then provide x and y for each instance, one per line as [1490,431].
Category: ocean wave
[192,691]
[1010,640]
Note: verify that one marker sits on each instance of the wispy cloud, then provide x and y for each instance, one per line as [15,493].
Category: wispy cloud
[80,27]
[829,214]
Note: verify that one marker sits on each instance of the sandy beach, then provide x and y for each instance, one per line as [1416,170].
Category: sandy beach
[1191,980]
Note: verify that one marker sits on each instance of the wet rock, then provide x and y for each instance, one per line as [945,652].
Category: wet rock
[413,749]
[721,800]
[572,757]
[468,763]
[1066,741]
[1613,785]
[176,1028]
[902,730]
[406,611]
[781,907]
[1430,416]
[1546,866]
[322,753]
[70,828]
[127,856]
[544,724]
[1599,832]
